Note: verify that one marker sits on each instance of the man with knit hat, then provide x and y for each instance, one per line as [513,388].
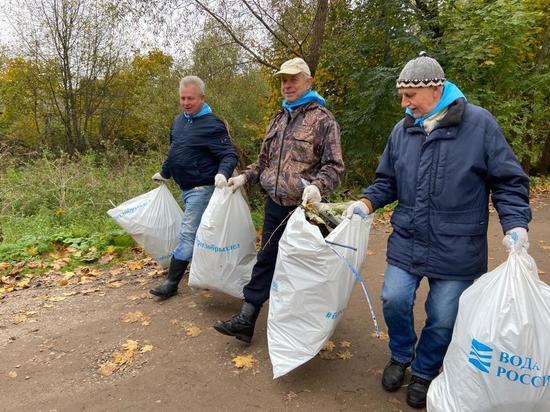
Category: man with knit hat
[441,162]
[300,161]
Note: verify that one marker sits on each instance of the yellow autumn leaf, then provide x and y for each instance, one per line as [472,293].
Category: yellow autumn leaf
[146,322]
[12,374]
[345,355]
[111,249]
[32,251]
[131,345]
[192,330]
[124,357]
[115,285]
[4,266]
[146,348]
[24,283]
[329,346]
[135,265]
[132,317]
[345,344]
[244,361]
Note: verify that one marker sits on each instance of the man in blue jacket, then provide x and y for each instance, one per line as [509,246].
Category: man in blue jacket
[441,162]
[201,155]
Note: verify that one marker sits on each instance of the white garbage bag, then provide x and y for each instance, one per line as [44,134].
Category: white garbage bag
[311,287]
[153,219]
[499,356]
[225,245]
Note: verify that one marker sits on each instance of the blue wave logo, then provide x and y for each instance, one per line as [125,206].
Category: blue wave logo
[480,355]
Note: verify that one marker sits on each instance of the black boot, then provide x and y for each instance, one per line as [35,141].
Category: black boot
[393,375]
[417,391]
[169,287]
[242,325]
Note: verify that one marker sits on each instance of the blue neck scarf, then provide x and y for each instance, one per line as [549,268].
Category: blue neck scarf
[307,97]
[450,93]
[205,109]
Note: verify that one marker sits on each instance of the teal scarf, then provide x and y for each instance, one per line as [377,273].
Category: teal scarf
[205,109]
[450,93]
[308,97]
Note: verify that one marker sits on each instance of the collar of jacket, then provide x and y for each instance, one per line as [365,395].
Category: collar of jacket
[454,117]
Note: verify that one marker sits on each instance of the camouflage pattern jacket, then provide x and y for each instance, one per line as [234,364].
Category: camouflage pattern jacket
[304,145]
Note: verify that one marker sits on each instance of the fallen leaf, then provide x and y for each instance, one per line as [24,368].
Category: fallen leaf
[12,374]
[36,264]
[289,396]
[115,285]
[345,355]
[207,294]
[383,336]
[106,258]
[60,263]
[24,283]
[107,368]
[19,318]
[132,317]
[135,265]
[146,322]
[329,346]
[192,330]
[146,348]
[131,344]
[4,266]
[56,298]
[244,361]
[545,247]
[140,296]
[63,282]
[345,344]
[370,252]
[117,271]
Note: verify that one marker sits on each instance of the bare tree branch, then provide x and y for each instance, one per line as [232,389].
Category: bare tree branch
[230,31]
[269,29]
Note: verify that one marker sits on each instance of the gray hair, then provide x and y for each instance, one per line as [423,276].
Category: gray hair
[195,80]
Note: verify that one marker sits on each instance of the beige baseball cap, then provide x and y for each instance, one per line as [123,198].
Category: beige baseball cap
[294,66]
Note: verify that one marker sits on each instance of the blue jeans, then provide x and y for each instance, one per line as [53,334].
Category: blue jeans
[195,201]
[398,295]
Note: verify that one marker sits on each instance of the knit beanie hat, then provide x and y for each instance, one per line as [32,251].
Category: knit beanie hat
[422,71]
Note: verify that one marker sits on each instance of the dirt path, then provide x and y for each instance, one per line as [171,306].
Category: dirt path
[52,343]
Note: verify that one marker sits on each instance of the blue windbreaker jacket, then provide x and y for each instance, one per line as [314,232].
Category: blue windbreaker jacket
[199,150]
[442,182]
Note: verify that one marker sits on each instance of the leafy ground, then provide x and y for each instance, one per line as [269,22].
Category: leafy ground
[84,337]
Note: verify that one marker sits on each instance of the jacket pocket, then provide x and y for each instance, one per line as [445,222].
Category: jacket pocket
[472,222]
[402,217]
[302,147]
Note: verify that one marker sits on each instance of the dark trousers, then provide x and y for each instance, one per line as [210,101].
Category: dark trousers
[257,290]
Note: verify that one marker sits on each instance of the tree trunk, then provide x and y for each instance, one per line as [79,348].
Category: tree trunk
[318,32]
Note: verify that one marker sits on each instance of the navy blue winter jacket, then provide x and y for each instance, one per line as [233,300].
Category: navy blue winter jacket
[198,151]
[442,182]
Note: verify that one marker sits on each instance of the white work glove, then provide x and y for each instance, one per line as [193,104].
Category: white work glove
[516,239]
[220,181]
[236,182]
[357,208]
[311,195]
[158,179]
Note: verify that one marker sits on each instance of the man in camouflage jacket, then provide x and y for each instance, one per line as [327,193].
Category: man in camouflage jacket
[300,161]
